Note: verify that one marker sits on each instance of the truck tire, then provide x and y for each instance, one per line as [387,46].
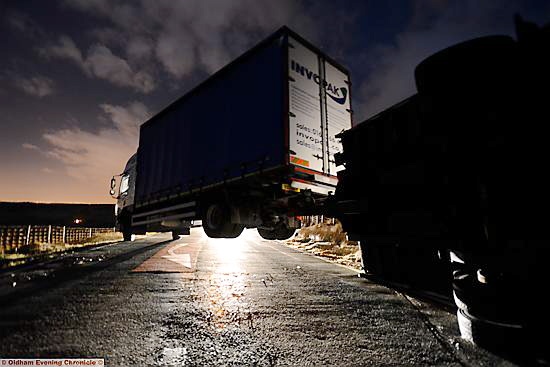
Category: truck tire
[217,222]
[127,234]
[125,221]
[491,335]
[175,235]
[267,234]
[504,303]
[284,233]
[279,233]
[235,231]
[455,68]
[459,302]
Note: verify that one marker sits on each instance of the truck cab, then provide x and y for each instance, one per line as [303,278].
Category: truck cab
[123,189]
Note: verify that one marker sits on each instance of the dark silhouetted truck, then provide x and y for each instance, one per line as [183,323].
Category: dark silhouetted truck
[252,146]
[448,191]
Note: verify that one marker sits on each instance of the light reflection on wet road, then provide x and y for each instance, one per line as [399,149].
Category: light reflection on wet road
[207,302]
[227,281]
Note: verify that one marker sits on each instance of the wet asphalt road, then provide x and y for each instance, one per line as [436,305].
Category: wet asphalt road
[203,302]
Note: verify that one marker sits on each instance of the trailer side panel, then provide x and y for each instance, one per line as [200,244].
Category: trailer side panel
[236,118]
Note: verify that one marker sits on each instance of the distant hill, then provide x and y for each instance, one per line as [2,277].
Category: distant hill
[92,215]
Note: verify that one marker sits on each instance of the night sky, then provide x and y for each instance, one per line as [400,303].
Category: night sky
[78,77]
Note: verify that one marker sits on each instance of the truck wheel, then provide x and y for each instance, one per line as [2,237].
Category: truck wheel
[125,221]
[279,233]
[284,233]
[175,235]
[488,334]
[459,302]
[217,222]
[501,303]
[127,234]
[235,231]
[267,234]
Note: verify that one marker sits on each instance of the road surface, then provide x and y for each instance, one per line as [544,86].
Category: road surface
[204,302]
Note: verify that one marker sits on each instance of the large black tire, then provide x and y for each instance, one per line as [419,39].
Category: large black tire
[266,234]
[493,315]
[235,231]
[492,335]
[284,233]
[216,222]
[127,234]
[279,233]
[125,221]
[500,303]
[459,302]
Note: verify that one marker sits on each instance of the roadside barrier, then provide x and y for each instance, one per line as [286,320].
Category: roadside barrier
[15,237]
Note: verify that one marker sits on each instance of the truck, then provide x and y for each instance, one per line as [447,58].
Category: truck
[447,191]
[251,146]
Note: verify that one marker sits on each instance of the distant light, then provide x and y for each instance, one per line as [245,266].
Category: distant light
[78,221]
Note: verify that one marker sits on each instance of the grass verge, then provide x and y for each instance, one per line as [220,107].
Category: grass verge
[329,241]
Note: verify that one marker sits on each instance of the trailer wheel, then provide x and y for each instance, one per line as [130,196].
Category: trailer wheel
[266,234]
[279,233]
[235,231]
[217,222]
[284,233]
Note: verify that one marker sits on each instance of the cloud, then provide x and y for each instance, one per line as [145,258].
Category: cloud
[139,48]
[37,86]
[127,119]
[178,61]
[101,63]
[64,49]
[94,157]
[30,146]
[21,22]
[186,37]
[434,25]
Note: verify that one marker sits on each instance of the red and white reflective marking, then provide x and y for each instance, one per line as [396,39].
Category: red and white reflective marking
[174,258]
